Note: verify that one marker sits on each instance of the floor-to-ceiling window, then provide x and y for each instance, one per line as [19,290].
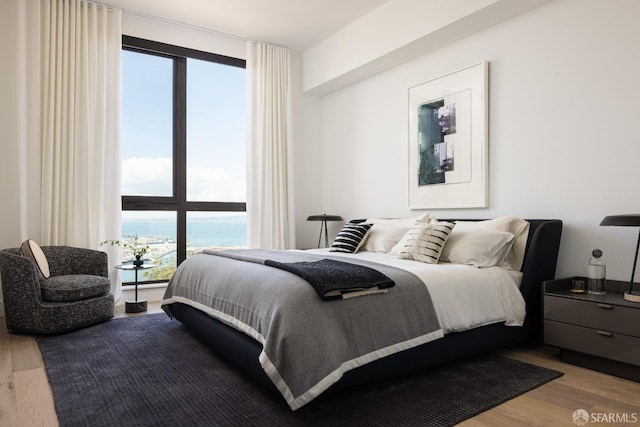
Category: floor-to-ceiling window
[183,152]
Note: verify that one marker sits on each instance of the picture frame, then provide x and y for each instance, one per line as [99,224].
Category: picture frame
[448,139]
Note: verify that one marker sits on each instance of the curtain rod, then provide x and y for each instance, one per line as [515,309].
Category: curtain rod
[171,21]
[184,24]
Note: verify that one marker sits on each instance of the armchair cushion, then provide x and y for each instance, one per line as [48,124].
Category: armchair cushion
[74,287]
[32,250]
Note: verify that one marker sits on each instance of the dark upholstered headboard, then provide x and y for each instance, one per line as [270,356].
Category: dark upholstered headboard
[540,260]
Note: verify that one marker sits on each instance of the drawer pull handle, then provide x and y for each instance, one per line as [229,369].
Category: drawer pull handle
[605,333]
[607,306]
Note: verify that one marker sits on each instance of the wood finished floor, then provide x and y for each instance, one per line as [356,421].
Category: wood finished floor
[26,398]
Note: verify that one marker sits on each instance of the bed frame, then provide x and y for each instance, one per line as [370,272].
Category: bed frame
[539,264]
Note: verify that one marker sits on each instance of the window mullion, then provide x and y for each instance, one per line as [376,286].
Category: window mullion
[180,157]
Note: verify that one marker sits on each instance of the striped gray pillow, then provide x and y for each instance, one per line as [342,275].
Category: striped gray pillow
[426,240]
[350,238]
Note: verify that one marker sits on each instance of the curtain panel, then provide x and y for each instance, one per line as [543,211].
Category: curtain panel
[270,217]
[69,133]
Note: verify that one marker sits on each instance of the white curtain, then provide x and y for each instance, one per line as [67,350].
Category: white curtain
[270,218]
[70,121]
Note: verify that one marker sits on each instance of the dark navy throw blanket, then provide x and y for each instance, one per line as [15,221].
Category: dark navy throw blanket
[333,279]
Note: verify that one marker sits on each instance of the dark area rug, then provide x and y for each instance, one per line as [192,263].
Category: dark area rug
[150,371]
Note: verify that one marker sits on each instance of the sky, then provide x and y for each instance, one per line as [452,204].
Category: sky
[216,123]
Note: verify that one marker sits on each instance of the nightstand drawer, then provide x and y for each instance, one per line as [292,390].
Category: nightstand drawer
[592,314]
[596,342]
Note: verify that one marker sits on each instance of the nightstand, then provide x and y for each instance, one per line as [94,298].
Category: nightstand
[600,332]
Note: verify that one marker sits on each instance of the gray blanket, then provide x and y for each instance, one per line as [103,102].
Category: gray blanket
[307,343]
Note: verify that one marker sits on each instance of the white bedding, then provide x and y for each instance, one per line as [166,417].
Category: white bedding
[464,297]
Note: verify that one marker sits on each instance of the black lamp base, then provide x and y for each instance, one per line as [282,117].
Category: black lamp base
[632,296]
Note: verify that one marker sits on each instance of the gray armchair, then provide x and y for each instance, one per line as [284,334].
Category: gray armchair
[77,293]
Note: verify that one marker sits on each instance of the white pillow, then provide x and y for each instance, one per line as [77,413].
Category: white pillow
[426,241]
[477,247]
[32,250]
[516,226]
[386,233]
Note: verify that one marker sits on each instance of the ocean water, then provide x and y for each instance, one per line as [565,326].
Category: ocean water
[215,231]
[203,231]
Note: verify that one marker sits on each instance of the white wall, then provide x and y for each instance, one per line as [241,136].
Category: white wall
[563,127]
[307,179]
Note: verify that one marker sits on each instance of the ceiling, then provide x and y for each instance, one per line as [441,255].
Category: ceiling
[296,24]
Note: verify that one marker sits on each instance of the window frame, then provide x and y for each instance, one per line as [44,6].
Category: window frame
[178,202]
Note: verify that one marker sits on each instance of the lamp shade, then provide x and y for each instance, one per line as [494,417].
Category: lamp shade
[631,220]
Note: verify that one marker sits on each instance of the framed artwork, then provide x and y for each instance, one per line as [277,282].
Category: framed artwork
[448,140]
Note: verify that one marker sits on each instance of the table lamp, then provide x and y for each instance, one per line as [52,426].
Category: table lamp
[632,220]
[324,218]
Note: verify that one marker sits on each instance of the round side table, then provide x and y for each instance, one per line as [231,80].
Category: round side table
[137,305]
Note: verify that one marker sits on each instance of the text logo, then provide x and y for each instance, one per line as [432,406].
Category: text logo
[580,417]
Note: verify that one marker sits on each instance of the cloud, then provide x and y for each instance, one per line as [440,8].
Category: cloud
[214,184]
[142,176]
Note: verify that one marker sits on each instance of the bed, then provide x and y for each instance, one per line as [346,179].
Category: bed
[358,340]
